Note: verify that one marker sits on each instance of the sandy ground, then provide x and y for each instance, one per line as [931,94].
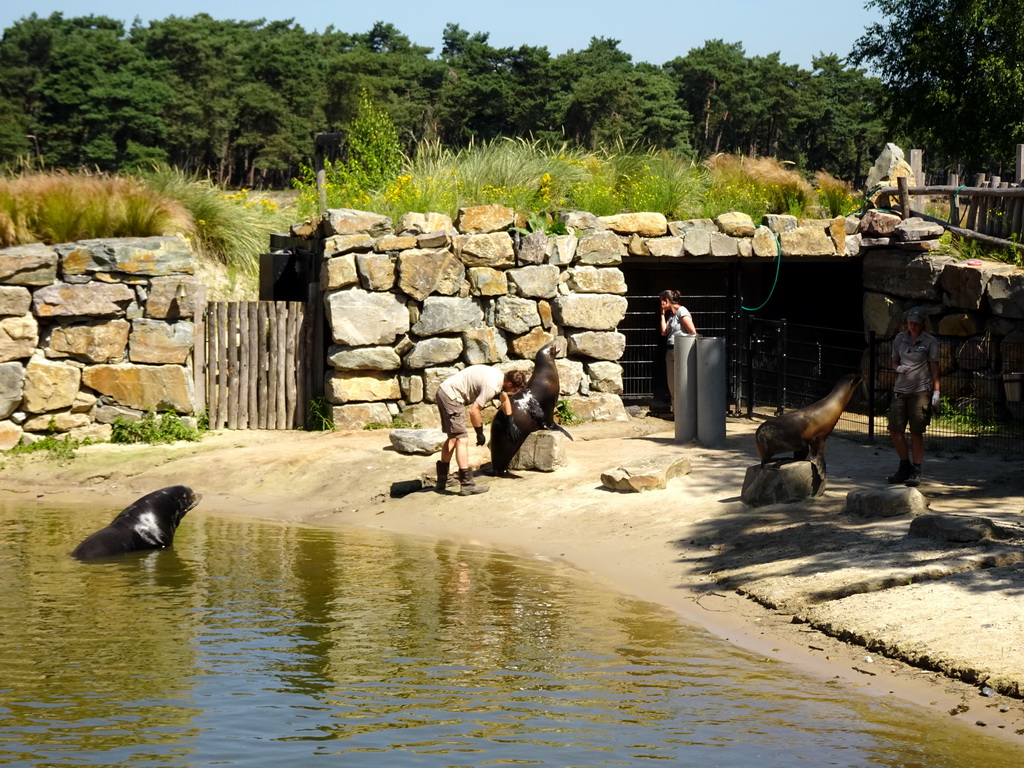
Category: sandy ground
[807,584]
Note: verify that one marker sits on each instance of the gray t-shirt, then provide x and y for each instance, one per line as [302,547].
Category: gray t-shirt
[915,354]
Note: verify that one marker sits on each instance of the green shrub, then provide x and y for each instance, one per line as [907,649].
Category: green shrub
[168,428]
[60,449]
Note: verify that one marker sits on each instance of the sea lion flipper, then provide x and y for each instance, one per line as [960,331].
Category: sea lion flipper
[561,429]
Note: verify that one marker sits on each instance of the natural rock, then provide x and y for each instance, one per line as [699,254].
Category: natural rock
[393,243]
[342,244]
[423,442]
[19,337]
[358,415]
[99,342]
[528,345]
[781,482]
[483,346]
[600,249]
[85,300]
[485,281]
[590,311]
[533,249]
[648,474]
[370,386]
[344,358]
[174,297]
[339,272]
[598,406]
[587,279]
[876,223]
[570,376]
[14,300]
[31,264]
[964,285]
[957,529]
[424,223]
[806,241]
[12,387]
[605,377]
[1006,293]
[358,318]
[779,222]
[561,249]
[697,242]
[484,219]
[146,387]
[443,314]
[49,386]
[422,272]
[886,502]
[765,243]
[661,247]
[735,224]
[154,341]
[915,229]
[434,351]
[544,451]
[540,281]
[890,166]
[347,221]
[600,345]
[645,224]
[10,435]
[376,271]
[489,250]
[904,274]
[150,256]
[516,315]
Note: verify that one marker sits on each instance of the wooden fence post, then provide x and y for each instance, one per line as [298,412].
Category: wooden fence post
[916,168]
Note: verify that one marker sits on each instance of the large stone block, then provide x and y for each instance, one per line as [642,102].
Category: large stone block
[82,300]
[364,358]
[600,345]
[516,315]
[423,272]
[964,285]
[50,386]
[19,337]
[493,250]
[359,318]
[348,221]
[886,502]
[648,474]
[598,406]
[150,256]
[591,311]
[31,264]
[781,482]
[544,451]
[645,224]
[156,341]
[174,298]
[910,276]
[98,342]
[587,279]
[444,314]
[538,282]
[145,387]
[12,387]
[600,249]
[484,219]
[433,352]
[15,300]
[358,415]
[344,387]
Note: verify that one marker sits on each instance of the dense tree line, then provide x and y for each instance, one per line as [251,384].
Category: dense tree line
[242,99]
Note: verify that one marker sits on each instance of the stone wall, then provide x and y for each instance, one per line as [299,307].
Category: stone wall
[976,308]
[92,330]
[409,304]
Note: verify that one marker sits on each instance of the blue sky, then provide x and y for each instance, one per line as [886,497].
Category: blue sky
[655,31]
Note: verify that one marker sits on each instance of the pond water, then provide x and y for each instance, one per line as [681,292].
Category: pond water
[255,643]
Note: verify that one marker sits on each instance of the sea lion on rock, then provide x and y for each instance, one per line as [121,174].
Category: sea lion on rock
[804,430]
[147,523]
[533,408]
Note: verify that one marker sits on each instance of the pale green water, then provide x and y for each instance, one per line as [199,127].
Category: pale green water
[251,643]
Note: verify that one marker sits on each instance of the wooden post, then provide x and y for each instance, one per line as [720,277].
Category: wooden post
[199,350]
[916,168]
[954,199]
[1020,164]
[903,184]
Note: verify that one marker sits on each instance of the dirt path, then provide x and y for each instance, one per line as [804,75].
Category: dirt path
[807,583]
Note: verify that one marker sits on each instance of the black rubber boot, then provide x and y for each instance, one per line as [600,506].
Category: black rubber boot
[903,473]
[469,487]
[442,476]
[915,477]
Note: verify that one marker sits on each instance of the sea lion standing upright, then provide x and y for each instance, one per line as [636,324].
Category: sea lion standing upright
[147,523]
[533,408]
[804,430]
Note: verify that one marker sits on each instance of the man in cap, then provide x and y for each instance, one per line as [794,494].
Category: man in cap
[915,395]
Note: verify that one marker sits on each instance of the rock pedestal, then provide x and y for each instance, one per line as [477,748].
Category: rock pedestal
[886,502]
[646,474]
[542,450]
[782,482]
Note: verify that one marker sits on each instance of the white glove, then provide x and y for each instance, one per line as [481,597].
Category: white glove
[901,369]
[935,399]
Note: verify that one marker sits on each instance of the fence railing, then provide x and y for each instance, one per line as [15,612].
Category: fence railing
[790,366]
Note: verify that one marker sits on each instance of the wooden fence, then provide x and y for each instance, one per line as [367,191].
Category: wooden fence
[259,363]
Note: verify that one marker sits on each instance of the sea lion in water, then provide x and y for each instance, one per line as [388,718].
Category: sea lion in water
[804,430]
[533,408]
[147,523]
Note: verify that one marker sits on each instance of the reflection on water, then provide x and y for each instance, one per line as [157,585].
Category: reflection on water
[252,643]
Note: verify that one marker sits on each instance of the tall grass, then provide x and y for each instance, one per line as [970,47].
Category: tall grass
[528,178]
[59,207]
[835,196]
[232,228]
[756,186]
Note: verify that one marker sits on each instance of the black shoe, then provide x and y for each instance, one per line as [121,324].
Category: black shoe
[902,474]
[915,477]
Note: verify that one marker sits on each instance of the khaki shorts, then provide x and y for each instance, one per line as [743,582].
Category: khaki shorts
[453,415]
[914,408]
